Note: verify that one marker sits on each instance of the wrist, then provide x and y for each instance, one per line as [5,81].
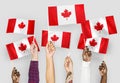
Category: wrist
[15,82]
[69,77]
[34,57]
[49,56]
[104,76]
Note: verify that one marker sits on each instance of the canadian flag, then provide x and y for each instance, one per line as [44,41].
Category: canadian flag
[99,28]
[67,14]
[20,26]
[60,39]
[20,48]
[98,44]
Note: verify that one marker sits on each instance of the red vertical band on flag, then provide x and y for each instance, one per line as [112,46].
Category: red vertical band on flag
[52,15]
[11,51]
[31,24]
[81,43]
[31,39]
[103,45]
[80,13]
[11,25]
[44,37]
[111,25]
[86,29]
[66,36]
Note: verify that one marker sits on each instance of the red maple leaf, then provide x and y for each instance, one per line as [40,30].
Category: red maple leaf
[21,25]
[54,38]
[22,47]
[93,43]
[98,26]
[66,13]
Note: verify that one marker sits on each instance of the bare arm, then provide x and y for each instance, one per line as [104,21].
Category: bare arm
[104,79]
[103,72]
[50,72]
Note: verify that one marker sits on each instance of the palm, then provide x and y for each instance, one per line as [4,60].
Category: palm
[15,75]
[34,49]
[103,69]
[86,54]
[68,64]
[50,49]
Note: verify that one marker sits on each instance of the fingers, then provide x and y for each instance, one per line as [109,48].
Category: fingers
[102,66]
[50,46]
[18,74]
[66,64]
[15,72]
[86,50]
[68,60]
[89,53]
[86,54]
[33,45]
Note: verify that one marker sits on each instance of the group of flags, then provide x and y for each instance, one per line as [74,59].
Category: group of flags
[93,31]
[20,48]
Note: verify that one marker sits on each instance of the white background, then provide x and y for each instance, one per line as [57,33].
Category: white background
[37,9]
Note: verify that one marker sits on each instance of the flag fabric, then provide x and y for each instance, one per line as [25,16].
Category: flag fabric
[99,28]
[20,26]
[60,39]
[67,14]
[20,48]
[99,44]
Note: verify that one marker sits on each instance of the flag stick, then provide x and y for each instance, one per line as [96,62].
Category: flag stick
[12,63]
[48,34]
[68,52]
[104,58]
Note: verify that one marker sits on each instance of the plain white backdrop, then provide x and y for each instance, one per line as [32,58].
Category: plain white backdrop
[37,9]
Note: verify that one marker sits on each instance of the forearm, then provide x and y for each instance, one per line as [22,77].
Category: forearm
[50,72]
[69,77]
[104,79]
[85,72]
[33,72]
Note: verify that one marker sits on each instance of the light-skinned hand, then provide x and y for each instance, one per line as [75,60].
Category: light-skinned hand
[50,49]
[68,64]
[34,51]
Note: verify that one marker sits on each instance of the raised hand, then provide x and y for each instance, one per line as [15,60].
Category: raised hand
[103,69]
[68,64]
[50,49]
[34,51]
[86,54]
[15,75]
[69,69]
